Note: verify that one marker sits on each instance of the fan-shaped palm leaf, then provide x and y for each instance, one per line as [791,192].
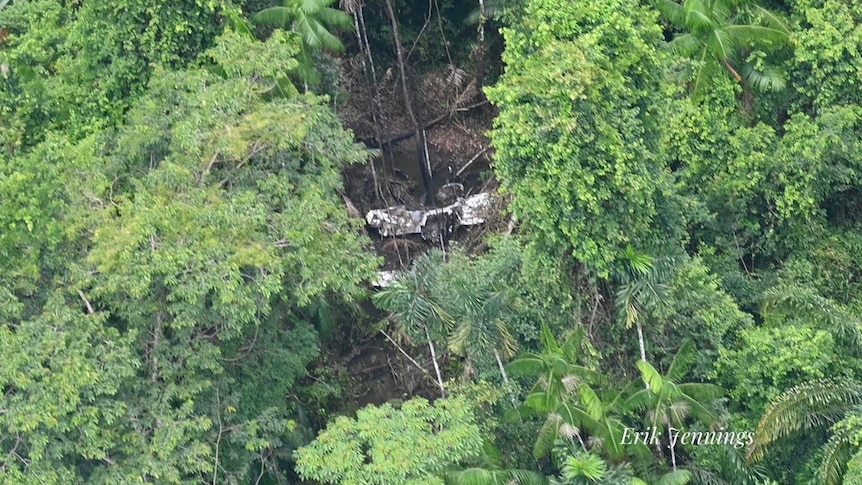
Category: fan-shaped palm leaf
[585,465]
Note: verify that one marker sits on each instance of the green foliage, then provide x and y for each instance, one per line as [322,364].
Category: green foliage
[182,242]
[671,402]
[725,465]
[588,466]
[769,192]
[486,470]
[77,68]
[173,246]
[854,470]
[825,64]
[460,302]
[719,35]
[565,393]
[415,300]
[312,20]
[540,283]
[384,445]
[577,134]
[816,404]
[643,286]
[769,359]
[697,308]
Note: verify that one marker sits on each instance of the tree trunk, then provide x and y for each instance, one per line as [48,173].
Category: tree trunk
[505,377]
[424,165]
[434,357]
[502,369]
[482,48]
[362,39]
[670,445]
[641,343]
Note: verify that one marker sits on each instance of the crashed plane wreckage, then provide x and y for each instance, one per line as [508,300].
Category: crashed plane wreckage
[398,221]
[431,224]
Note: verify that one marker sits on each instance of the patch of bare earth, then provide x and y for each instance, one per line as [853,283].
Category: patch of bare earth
[456,115]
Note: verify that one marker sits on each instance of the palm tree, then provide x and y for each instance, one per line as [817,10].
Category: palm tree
[729,467]
[483,310]
[564,393]
[642,288]
[818,404]
[418,312]
[670,402]
[583,468]
[464,308]
[312,20]
[719,33]
[486,470]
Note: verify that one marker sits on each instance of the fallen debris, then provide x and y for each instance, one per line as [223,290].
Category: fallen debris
[398,221]
[385,278]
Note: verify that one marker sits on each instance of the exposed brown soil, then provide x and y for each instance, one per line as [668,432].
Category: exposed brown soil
[452,142]
[379,371]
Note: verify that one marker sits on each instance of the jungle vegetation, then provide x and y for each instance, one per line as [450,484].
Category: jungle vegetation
[185,286]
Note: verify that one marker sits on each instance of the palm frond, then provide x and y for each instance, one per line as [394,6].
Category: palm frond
[807,303]
[651,376]
[697,16]
[274,16]
[527,477]
[548,433]
[763,80]
[685,45]
[701,391]
[586,465]
[481,476]
[770,19]
[678,477]
[639,263]
[412,302]
[810,405]
[549,340]
[528,364]
[332,17]
[673,11]
[682,361]
[721,43]
[316,35]
[702,476]
[838,451]
[754,34]
[704,71]
[640,400]
[592,402]
[509,342]
[574,343]
[311,7]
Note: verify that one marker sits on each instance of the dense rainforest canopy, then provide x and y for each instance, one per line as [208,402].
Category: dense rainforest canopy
[665,290]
